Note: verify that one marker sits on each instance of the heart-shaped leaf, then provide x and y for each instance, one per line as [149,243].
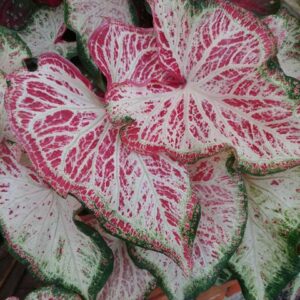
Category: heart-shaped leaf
[38,227]
[51,293]
[226,94]
[127,281]
[45,31]
[109,47]
[12,50]
[65,130]
[223,217]
[84,17]
[267,258]
[286,29]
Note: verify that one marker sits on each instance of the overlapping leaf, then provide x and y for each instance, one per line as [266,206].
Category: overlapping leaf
[51,293]
[286,29]
[12,51]
[45,31]
[127,281]
[267,258]
[65,130]
[218,55]
[84,17]
[223,217]
[123,52]
[38,226]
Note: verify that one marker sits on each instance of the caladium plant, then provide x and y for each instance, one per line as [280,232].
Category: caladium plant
[188,164]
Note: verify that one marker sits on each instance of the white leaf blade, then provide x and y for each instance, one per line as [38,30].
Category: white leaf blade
[38,226]
[267,256]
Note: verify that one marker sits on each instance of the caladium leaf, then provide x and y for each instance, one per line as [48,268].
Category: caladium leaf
[38,226]
[287,31]
[84,17]
[259,7]
[45,31]
[14,14]
[109,47]
[224,98]
[127,281]
[12,51]
[52,293]
[223,218]
[267,258]
[65,130]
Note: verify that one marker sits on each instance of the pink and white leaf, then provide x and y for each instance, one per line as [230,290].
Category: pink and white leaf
[52,293]
[216,39]
[44,33]
[124,52]
[256,118]
[286,29]
[127,281]
[12,51]
[223,217]
[64,128]
[84,17]
[267,256]
[38,226]
[223,101]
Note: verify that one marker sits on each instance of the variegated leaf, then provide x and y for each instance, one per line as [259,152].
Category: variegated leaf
[223,217]
[51,293]
[225,98]
[65,130]
[44,33]
[127,281]
[124,52]
[38,226]
[12,51]
[267,257]
[286,29]
[84,17]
